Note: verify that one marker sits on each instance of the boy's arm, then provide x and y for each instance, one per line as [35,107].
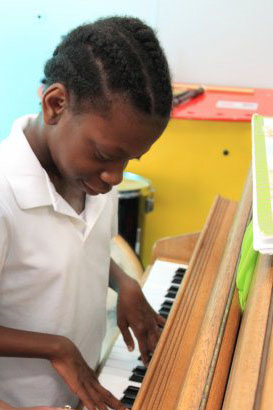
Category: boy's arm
[20,343]
[117,277]
[65,358]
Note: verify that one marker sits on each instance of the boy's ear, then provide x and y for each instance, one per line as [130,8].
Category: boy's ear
[54,102]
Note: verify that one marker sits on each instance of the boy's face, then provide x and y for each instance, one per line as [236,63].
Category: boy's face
[91,151]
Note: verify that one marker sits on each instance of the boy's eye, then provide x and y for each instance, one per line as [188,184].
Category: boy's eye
[101,157]
[104,158]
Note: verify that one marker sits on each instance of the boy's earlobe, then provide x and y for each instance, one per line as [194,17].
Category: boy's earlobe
[54,102]
[48,114]
[51,116]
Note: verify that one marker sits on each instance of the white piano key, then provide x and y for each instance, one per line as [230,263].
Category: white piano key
[123,373]
[122,354]
[123,350]
[116,384]
[123,364]
[162,271]
[120,342]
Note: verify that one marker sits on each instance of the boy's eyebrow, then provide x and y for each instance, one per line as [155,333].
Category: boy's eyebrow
[117,154]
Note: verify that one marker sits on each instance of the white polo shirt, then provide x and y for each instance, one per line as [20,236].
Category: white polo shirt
[54,268]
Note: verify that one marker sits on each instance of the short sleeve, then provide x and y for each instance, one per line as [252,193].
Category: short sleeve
[114,227]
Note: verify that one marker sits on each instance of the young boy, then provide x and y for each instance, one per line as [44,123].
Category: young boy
[107,99]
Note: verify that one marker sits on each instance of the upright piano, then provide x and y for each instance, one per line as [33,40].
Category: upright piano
[210,356]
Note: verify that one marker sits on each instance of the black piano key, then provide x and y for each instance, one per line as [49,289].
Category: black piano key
[173,288]
[171,295]
[131,391]
[130,396]
[127,401]
[138,374]
[172,292]
[131,388]
[164,310]
[179,276]
[136,378]
[167,303]
[180,271]
[140,370]
[177,280]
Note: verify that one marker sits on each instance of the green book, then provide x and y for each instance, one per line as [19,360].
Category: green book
[262,163]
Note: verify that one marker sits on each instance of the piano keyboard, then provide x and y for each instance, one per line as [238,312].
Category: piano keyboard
[124,371]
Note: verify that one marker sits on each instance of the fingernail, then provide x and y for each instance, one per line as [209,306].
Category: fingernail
[130,348]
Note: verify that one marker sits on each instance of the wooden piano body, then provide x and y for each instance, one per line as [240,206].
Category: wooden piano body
[188,368]
[211,356]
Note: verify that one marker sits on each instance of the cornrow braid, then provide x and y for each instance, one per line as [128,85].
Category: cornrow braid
[156,64]
[113,55]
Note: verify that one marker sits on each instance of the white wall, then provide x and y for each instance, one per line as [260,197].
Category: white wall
[225,42]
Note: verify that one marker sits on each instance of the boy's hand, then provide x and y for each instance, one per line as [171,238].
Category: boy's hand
[82,380]
[133,311]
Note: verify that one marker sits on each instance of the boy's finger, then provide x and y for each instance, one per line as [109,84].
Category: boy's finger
[127,337]
[161,321]
[145,353]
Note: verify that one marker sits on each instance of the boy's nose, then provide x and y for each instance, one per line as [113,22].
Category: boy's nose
[112,177]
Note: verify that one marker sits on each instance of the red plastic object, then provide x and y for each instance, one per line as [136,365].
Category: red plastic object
[226,106]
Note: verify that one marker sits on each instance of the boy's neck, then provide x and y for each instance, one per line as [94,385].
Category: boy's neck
[36,135]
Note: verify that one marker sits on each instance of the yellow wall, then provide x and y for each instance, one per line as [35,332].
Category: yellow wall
[188,169]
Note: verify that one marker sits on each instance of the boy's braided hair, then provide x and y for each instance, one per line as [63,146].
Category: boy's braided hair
[113,55]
